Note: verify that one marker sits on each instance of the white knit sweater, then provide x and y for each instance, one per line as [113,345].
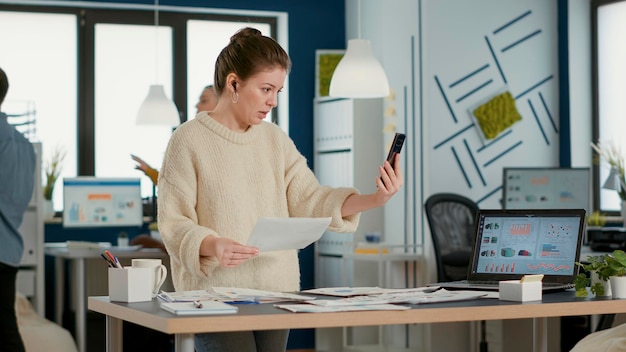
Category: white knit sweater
[218,182]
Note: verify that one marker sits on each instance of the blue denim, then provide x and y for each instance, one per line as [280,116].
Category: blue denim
[242,341]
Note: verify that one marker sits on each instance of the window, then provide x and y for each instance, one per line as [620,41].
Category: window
[125,57]
[87,81]
[205,40]
[42,79]
[609,87]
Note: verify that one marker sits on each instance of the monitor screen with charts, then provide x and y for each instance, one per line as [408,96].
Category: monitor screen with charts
[546,188]
[97,202]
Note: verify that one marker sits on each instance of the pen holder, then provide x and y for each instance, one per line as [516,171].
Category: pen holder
[514,290]
[130,284]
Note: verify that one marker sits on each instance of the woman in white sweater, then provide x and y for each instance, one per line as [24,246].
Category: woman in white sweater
[225,169]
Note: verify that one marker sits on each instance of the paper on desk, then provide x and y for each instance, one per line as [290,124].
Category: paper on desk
[309,308]
[409,296]
[276,234]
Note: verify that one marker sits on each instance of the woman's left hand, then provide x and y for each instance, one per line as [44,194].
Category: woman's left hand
[389,182]
[228,252]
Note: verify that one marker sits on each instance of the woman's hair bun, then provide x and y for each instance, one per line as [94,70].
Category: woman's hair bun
[245,33]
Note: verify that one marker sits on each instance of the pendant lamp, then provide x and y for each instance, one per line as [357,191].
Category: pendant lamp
[359,74]
[157,108]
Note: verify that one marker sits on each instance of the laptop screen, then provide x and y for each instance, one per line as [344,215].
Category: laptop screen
[513,243]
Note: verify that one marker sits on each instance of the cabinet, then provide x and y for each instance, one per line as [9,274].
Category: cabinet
[30,278]
[348,148]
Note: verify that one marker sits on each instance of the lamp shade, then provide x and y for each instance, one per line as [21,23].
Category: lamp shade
[359,74]
[614,181]
[157,109]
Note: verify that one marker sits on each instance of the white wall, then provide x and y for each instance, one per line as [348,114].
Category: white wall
[425,47]
[474,50]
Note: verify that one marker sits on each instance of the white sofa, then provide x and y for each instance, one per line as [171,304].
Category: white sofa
[38,333]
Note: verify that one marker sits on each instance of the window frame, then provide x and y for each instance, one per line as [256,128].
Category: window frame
[595,128]
[175,17]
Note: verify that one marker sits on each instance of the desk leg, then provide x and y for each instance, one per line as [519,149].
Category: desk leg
[79,269]
[59,290]
[540,334]
[383,279]
[183,343]
[114,334]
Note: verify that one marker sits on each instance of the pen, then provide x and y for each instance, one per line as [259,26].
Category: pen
[243,302]
[106,259]
[198,304]
[118,264]
[113,258]
[164,296]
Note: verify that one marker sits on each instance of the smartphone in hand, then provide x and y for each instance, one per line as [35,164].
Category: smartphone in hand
[396,147]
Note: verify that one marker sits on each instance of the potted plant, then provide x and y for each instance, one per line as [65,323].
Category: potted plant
[610,267]
[53,168]
[598,278]
[616,262]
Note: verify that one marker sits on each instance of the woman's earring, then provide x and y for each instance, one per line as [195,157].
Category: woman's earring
[234,97]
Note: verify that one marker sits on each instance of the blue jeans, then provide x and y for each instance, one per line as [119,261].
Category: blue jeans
[242,341]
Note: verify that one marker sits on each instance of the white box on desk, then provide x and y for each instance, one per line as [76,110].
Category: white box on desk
[515,290]
[130,284]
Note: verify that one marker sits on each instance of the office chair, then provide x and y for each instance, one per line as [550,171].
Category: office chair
[451,219]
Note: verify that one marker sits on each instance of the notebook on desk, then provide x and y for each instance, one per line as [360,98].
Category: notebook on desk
[512,243]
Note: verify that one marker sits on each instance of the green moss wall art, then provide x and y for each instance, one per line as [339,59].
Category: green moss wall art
[326,63]
[496,115]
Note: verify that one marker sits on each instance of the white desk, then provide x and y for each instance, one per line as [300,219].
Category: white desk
[77,258]
[384,256]
[267,317]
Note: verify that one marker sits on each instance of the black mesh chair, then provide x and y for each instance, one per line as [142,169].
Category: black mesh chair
[451,220]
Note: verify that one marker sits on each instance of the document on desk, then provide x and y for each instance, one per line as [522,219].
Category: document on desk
[309,308]
[408,296]
[199,308]
[277,234]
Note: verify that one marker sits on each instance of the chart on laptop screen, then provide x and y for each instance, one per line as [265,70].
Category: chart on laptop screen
[527,245]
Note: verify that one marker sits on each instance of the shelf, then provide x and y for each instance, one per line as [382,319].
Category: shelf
[383,252]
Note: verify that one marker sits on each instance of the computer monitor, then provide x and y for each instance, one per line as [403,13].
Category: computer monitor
[97,202]
[546,188]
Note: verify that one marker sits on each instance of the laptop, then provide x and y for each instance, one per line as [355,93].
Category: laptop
[516,242]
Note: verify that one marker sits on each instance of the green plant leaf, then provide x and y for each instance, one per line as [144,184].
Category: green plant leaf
[597,289]
[581,281]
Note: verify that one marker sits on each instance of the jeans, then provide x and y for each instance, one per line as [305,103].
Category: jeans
[242,341]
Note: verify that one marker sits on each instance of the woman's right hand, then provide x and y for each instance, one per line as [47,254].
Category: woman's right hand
[229,253]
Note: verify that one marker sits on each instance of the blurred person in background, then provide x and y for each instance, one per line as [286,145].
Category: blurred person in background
[17,181]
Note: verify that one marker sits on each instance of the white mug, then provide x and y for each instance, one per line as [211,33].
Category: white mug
[160,272]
